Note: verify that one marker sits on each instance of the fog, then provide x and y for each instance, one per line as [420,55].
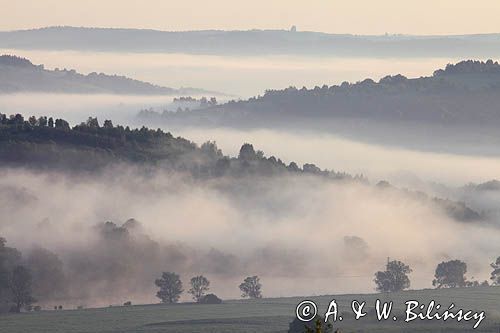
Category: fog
[302,235]
[76,108]
[340,154]
[400,165]
[240,76]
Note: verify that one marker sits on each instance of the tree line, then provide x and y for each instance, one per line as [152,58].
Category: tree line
[48,142]
[448,274]
[447,97]
[171,288]
[26,280]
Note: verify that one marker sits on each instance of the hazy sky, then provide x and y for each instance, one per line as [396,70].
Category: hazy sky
[336,16]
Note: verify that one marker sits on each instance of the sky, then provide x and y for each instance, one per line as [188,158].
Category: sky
[333,16]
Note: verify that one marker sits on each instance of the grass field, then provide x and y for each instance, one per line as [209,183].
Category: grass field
[265,315]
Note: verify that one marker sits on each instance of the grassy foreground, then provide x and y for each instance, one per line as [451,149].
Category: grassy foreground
[265,315]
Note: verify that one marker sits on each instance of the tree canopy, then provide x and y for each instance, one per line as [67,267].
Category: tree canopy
[450,274]
[394,278]
[251,287]
[170,286]
[199,286]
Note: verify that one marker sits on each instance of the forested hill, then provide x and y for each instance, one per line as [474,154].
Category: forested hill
[463,93]
[20,75]
[47,143]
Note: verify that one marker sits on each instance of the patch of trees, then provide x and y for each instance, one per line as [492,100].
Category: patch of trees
[448,274]
[457,210]
[15,280]
[470,66]
[171,288]
[12,60]
[52,143]
[20,75]
[448,97]
[180,105]
[202,102]
[394,278]
[451,274]
[251,287]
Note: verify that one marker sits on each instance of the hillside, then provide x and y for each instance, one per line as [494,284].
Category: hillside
[467,93]
[265,315]
[251,42]
[47,143]
[20,75]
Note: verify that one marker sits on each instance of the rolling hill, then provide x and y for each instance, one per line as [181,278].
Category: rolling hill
[20,75]
[462,93]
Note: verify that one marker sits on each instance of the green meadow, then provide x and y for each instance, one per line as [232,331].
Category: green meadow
[264,315]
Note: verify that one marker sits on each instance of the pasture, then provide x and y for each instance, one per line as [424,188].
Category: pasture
[264,315]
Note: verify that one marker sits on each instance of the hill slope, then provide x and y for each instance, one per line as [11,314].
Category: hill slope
[45,144]
[465,93]
[20,75]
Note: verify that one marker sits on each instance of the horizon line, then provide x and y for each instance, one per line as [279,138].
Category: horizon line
[254,30]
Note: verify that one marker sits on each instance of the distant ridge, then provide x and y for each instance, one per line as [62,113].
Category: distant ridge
[21,75]
[465,93]
[252,42]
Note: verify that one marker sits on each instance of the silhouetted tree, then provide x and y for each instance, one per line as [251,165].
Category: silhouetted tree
[47,271]
[9,258]
[92,123]
[247,152]
[199,285]
[495,275]
[4,272]
[450,274]
[394,278]
[203,102]
[32,121]
[251,287]
[20,288]
[311,168]
[17,119]
[42,121]
[170,286]
[293,167]
[107,124]
[61,124]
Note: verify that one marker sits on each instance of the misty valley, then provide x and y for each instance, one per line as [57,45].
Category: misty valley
[217,180]
[131,179]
